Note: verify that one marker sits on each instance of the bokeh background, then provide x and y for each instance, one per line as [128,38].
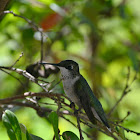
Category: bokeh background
[103,36]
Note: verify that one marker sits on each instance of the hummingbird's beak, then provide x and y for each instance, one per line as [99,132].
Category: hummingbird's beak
[57,65]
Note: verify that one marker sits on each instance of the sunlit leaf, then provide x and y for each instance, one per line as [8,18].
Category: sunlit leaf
[122,134]
[28,135]
[53,117]
[133,57]
[12,125]
[68,135]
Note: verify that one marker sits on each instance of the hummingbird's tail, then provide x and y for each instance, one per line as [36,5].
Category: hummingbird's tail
[109,129]
[101,120]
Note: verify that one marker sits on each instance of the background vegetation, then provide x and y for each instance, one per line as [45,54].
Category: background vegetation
[103,36]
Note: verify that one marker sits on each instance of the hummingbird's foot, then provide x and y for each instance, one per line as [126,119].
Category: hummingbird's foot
[76,112]
[72,105]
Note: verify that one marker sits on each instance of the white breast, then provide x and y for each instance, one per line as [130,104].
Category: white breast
[68,85]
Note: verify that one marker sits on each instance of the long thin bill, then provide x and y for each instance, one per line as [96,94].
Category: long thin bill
[50,64]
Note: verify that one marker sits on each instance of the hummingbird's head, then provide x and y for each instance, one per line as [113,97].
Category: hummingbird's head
[67,67]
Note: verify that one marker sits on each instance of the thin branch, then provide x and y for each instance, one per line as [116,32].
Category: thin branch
[32,94]
[11,100]
[14,77]
[116,104]
[126,129]
[33,25]
[17,59]
[25,74]
[78,120]
[122,120]
[41,50]
[98,128]
[79,127]
[40,110]
[11,67]
[59,105]
[89,136]
[125,91]
[55,84]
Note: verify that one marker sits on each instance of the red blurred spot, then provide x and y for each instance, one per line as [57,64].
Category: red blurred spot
[50,21]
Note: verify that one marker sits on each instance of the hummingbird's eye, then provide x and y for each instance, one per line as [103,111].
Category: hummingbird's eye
[70,67]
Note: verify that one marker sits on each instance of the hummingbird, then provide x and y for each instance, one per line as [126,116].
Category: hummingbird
[78,90]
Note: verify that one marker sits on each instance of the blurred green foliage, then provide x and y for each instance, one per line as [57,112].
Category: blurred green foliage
[103,36]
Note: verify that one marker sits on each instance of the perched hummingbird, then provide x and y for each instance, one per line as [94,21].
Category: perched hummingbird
[78,90]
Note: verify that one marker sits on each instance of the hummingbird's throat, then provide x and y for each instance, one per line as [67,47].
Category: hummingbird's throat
[67,77]
[66,74]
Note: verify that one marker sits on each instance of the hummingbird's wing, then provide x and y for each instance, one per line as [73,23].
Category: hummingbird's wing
[91,101]
[84,100]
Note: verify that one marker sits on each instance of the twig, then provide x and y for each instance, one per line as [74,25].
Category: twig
[125,91]
[11,67]
[78,119]
[79,127]
[65,104]
[54,137]
[41,50]
[32,94]
[126,129]
[43,81]
[25,74]
[11,100]
[121,121]
[94,126]
[35,27]
[89,136]
[37,108]
[55,84]
[22,72]
[13,77]
[17,60]
[59,105]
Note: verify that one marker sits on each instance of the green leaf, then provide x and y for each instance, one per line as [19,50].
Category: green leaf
[68,135]
[28,135]
[12,125]
[122,134]
[53,117]
[133,57]
[35,137]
